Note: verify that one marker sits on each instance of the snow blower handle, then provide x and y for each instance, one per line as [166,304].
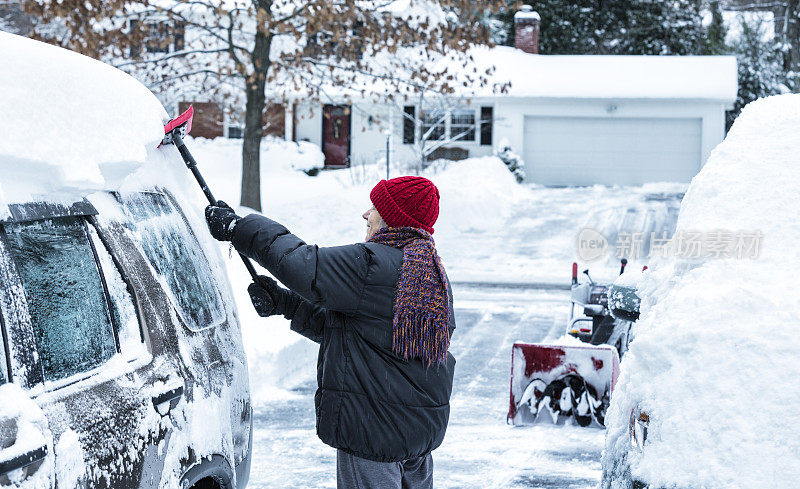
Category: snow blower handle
[177,140]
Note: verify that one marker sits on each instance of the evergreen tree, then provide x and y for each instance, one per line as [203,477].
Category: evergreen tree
[716,31]
[614,26]
[760,65]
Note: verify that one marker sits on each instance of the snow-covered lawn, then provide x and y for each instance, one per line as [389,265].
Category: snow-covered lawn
[490,229]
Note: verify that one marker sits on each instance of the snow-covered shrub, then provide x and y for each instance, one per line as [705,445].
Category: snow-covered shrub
[302,155]
[369,170]
[511,159]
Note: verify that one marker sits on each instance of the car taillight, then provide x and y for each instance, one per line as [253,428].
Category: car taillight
[640,422]
[574,273]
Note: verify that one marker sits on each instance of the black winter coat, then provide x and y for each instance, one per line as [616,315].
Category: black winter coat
[369,402]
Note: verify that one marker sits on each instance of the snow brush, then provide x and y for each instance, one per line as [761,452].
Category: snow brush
[174,131]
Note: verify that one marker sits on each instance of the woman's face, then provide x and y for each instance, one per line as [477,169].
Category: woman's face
[374,222]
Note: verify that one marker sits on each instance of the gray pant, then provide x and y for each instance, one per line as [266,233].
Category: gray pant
[358,473]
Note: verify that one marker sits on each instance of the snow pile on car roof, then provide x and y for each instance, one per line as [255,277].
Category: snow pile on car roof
[714,362]
[69,122]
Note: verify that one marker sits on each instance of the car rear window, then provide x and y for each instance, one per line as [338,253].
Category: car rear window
[175,254]
[65,294]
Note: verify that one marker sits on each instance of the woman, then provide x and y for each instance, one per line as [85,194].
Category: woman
[382,312]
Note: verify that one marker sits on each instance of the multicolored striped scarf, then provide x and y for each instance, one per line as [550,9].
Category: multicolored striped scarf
[421,308]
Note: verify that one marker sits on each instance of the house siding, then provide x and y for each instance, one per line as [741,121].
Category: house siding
[368,139]
[207,121]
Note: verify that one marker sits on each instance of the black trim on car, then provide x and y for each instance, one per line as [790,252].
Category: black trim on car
[36,211]
[22,461]
[7,355]
[109,304]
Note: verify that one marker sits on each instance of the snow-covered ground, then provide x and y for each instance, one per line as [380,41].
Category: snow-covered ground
[490,229]
[480,450]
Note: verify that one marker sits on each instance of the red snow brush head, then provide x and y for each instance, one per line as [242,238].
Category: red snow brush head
[407,202]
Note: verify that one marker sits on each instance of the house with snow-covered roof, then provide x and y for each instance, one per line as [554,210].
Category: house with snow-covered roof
[575,120]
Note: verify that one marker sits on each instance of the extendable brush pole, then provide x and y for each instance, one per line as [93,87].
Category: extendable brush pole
[177,140]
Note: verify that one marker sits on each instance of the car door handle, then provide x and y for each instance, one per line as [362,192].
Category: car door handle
[167,400]
[22,461]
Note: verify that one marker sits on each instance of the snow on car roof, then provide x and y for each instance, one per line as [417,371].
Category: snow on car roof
[714,359]
[69,121]
[631,77]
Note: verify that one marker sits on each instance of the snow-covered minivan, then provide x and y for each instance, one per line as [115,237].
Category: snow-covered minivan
[121,357]
[709,391]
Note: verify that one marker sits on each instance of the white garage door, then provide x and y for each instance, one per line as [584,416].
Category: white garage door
[611,151]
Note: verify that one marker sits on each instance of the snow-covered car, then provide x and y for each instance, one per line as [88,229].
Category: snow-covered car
[708,393]
[122,364]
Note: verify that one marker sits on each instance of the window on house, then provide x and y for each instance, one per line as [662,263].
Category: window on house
[158,40]
[179,36]
[134,49]
[462,125]
[409,124]
[235,132]
[157,36]
[65,294]
[433,124]
[487,122]
[175,254]
[326,43]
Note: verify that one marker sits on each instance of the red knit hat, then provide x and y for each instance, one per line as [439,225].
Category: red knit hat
[407,201]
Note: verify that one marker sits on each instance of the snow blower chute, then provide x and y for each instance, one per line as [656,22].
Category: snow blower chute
[174,131]
[551,383]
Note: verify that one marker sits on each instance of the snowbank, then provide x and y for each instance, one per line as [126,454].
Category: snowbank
[276,154]
[75,123]
[752,180]
[714,362]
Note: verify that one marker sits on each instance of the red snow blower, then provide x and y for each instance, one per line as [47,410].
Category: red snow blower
[553,383]
[174,132]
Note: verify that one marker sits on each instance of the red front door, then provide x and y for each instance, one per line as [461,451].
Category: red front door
[336,135]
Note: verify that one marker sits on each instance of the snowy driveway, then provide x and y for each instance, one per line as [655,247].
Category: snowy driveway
[480,450]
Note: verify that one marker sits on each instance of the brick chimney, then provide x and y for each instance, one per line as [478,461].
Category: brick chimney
[526,30]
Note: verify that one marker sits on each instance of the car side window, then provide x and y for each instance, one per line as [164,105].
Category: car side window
[65,294]
[175,254]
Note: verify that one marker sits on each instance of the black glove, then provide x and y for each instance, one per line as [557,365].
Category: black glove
[221,220]
[270,299]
